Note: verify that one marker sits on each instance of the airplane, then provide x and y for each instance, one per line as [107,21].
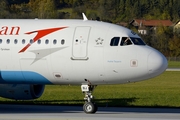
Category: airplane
[39,52]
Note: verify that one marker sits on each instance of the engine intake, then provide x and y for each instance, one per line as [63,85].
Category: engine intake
[21,91]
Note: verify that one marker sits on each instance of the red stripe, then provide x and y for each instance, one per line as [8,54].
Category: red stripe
[40,34]
[26,47]
[43,33]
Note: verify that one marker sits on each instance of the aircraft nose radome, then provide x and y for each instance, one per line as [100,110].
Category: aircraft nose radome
[157,63]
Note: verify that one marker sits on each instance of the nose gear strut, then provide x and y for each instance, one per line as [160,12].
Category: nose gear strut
[89,106]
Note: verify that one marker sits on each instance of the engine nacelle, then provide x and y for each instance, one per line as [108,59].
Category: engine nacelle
[21,91]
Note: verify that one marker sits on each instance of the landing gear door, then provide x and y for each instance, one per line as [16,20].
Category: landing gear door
[80,43]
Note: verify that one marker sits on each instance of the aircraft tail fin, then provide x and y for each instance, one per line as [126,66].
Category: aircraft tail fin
[84,17]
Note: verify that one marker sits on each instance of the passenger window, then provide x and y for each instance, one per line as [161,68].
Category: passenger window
[15,41]
[54,41]
[126,41]
[31,41]
[8,41]
[114,41]
[23,41]
[47,41]
[39,42]
[62,41]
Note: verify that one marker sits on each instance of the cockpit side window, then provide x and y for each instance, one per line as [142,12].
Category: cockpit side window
[138,41]
[126,41]
[114,41]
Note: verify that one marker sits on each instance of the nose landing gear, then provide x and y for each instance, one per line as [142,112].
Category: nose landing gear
[89,107]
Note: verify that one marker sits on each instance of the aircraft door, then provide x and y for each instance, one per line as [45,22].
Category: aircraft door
[80,43]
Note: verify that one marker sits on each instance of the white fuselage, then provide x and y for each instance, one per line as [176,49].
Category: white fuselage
[73,52]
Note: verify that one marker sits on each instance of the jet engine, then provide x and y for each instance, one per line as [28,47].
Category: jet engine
[21,91]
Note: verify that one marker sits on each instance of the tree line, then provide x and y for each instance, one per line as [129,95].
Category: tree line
[164,39]
[109,10]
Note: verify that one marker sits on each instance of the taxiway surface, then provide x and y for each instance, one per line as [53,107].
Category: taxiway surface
[44,112]
[173,69]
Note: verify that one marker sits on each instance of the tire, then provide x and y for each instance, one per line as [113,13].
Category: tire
[95,107]
[89,108]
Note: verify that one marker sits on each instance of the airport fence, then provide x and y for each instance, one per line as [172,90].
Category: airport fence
[173,58]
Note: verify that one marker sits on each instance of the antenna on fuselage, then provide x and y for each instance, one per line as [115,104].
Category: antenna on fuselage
[84,17]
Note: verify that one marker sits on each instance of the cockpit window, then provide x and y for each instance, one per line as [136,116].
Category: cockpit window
[115,41]
[126,41]
[131,40]
[138,41]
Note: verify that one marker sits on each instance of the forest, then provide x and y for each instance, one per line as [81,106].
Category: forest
[114,11]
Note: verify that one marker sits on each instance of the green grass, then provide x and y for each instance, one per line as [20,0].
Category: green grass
[162,91]
[174,64]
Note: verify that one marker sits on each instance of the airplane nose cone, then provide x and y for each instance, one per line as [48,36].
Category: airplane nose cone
[157,63]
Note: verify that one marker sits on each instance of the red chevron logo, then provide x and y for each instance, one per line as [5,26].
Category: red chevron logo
[40,34]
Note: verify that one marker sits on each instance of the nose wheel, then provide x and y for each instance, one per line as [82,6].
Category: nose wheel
[89,107]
